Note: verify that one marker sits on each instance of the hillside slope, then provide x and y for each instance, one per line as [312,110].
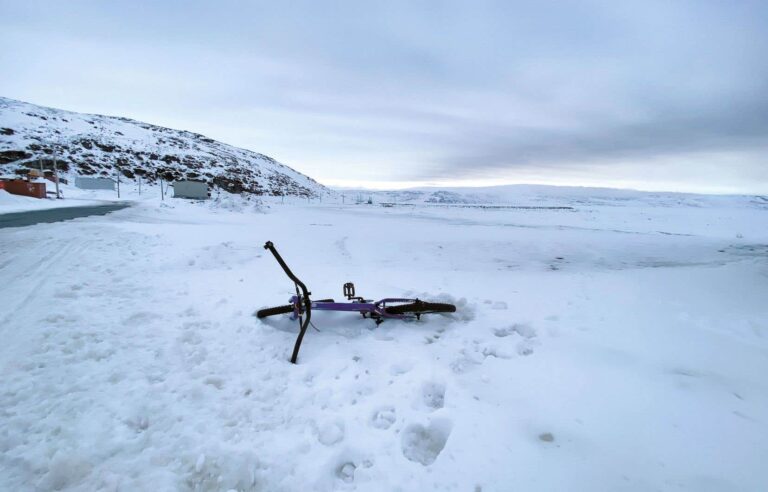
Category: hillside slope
[95,145]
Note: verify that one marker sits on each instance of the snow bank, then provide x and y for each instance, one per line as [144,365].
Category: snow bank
[9,199]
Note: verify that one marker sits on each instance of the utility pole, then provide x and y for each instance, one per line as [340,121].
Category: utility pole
[139,184]
[117,168]
[56,174]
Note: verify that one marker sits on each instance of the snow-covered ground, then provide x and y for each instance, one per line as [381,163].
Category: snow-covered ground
[613,347]
[71,197]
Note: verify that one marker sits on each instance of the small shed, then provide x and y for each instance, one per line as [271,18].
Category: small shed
[197,190]
[88,183]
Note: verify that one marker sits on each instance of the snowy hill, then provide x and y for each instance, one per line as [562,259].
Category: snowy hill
[94,145]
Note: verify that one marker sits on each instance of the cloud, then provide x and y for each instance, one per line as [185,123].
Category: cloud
[666,131]
[419,90]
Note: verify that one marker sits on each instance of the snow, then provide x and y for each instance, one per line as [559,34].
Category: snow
[618,346]
[88,144]
[8,199]
[131,193]
[10,203]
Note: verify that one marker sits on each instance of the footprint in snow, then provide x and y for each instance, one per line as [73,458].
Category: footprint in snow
[433,395]
[524,348]
[525,331]
[346,472]
[331,433]
[494,351]
[383,418]
[346,468]
[422,444]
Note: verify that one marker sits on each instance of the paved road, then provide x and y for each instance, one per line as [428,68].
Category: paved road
[22,219]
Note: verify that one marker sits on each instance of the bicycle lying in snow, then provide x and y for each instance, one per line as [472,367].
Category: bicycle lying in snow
[301,306]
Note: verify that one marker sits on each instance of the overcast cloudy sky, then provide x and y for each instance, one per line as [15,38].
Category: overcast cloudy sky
[666,95]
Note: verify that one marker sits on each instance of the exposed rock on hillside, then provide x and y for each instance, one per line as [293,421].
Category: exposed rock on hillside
[94,145]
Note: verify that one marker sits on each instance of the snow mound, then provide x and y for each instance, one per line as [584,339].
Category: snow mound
[10,199]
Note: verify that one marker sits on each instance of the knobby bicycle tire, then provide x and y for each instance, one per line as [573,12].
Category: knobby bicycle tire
[421,307]
[263,313]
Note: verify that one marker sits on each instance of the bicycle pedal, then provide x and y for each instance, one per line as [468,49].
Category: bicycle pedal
[349,290]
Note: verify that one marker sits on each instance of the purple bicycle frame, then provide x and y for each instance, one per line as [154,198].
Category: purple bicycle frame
[376,308]
[303,305]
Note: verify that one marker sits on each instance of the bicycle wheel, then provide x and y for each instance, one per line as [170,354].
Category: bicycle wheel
[421,307]
[263,313]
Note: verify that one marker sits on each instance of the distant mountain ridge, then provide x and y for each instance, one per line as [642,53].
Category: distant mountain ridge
[547,196]
[96,145]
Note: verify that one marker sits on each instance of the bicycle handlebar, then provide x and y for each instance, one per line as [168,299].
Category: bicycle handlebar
[305,297]
[271,247]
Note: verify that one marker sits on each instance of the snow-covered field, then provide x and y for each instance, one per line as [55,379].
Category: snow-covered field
[613,347]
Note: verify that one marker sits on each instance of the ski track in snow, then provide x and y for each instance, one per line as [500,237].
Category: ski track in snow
[581,357]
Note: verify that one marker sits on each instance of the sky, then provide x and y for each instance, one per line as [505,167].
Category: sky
[658,95]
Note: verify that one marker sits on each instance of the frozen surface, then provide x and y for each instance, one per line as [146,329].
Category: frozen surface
[620,346]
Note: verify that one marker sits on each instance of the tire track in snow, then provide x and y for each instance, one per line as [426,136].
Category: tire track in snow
[40,268]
